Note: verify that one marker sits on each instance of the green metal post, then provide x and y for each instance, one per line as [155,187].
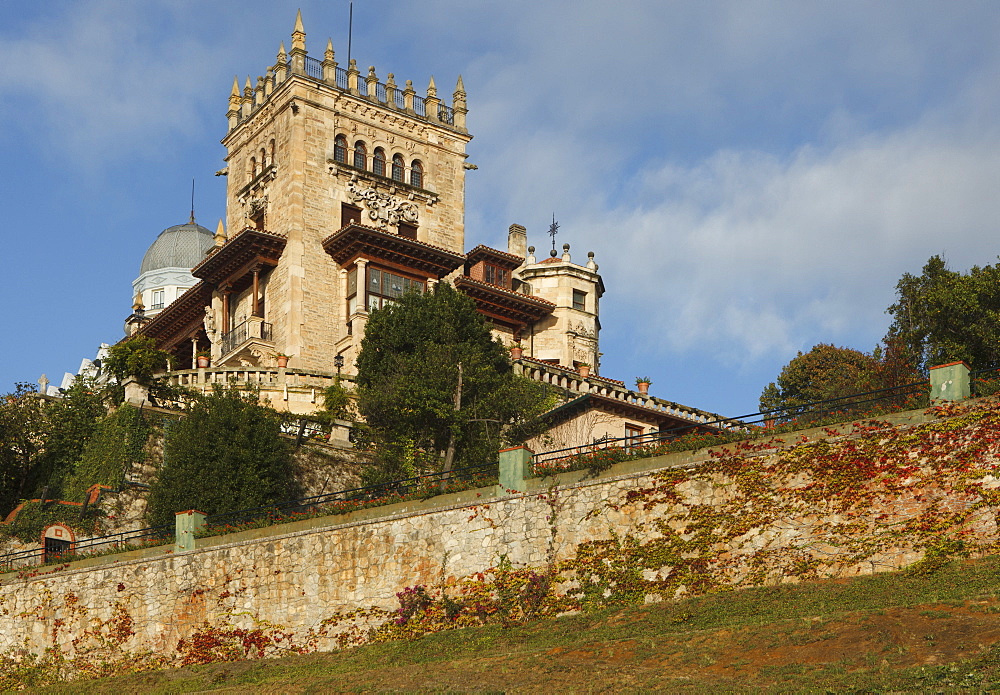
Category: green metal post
[186,524]
[515,468]
[950,382]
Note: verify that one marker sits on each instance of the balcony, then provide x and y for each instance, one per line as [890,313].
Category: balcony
[252,333]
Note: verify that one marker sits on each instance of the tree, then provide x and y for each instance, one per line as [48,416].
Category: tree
[825,372]
[829,372]
[41,438]
[436,389]
[226,454]
[944,316]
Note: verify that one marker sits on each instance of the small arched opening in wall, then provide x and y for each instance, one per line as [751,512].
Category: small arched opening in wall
[58,540]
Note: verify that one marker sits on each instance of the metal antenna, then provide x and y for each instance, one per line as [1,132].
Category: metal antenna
[350,31]
[553,230]
[192,201]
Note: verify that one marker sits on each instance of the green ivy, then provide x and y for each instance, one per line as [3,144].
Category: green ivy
[117,444]
[35,516]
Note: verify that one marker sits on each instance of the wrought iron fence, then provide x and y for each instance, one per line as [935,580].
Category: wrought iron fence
[853,406]
[120,542]
[429,484]
[314,68]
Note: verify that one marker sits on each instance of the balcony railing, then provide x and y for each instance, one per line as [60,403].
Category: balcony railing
[241,333]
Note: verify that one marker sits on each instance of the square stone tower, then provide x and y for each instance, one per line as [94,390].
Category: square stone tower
[314,148]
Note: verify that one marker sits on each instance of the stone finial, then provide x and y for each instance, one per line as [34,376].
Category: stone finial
[530,260]
[590,261]
[248,89]
[565,253]
[236,88]
[43,384]
[282,55]
[432,90]
[459,89]
[328,54]
[371,73]
[235,100]
[220,234]
[298,33]
[137,304]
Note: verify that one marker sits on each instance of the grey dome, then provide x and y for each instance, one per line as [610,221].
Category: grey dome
[180,246]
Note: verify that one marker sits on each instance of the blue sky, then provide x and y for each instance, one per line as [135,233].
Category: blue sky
[753,176]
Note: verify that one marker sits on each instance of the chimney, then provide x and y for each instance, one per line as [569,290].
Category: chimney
[517,240]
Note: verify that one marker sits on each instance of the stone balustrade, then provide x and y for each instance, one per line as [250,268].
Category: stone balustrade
[574,383]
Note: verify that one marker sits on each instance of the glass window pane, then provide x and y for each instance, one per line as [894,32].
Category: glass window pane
[375,281]
[352,282]
[394,285]
[352,305]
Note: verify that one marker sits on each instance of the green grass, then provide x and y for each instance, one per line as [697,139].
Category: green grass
[699,645]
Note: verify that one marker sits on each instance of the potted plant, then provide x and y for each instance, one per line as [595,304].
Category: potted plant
[642,383]
[583,368]
[282,359]
[203,357]
[516,350]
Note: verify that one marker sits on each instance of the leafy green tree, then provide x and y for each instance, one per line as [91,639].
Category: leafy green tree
[945,316]
[830,372]
[434,387]
[825,372]
[22,438]
[226,454]
[41,438]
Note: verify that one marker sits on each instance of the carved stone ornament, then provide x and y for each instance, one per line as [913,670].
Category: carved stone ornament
[383,209]
[255,206]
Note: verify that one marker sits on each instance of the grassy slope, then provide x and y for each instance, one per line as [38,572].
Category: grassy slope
[891,632]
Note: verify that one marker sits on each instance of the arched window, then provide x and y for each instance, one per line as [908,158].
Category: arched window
[378,161]
[340,149]
[263,159]
[253,167]
[360,155]
[416,174]
[397,168]
[271,147]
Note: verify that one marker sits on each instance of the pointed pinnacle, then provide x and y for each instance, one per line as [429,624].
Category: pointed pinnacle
[298,23]
[432,88]
[460,86]
[329,44]
[236,86]
[281,50]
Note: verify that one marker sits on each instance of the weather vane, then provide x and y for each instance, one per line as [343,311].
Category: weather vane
[553,230]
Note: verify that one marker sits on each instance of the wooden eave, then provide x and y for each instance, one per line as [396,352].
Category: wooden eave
[503,304]
[357,241]
[239,255]
[593,401]
[180,319]
[494,256]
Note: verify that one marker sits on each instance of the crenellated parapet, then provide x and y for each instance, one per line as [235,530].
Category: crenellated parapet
[298,63]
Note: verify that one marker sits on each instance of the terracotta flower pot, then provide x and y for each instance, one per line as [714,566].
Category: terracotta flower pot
[643,388]
[516,352]
[584,370]
[203,361]
[282,361]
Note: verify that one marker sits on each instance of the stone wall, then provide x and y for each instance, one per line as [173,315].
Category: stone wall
[767,522]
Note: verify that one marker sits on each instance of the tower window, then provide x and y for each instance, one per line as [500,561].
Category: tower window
[407,230]
[340,149]
[495,275]
[360,155]
[397,168]
[417,174]
[579,300]
[378,162]
[156,300]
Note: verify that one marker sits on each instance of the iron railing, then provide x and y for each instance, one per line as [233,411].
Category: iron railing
[431,483]
[895,396]
[240,334]
[124,540]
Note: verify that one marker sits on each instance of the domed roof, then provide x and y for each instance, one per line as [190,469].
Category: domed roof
[180,246]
